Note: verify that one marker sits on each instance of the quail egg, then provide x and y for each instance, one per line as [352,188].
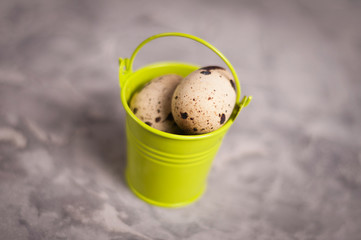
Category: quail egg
[204,100]
[152,104]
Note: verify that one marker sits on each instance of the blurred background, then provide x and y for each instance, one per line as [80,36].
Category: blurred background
[290,168]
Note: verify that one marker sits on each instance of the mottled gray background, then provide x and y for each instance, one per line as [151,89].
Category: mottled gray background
[288,169]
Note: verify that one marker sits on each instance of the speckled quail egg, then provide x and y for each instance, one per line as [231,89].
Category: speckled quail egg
[204,100]
[152,104]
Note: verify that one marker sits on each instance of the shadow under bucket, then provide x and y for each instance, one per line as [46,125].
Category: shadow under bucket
[165,169]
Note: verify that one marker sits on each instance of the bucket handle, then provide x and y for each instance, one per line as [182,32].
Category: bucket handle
[126,65]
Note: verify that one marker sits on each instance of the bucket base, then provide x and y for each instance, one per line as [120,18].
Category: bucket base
[163,204]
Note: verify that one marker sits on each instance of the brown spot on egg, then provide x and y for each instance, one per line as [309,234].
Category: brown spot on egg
[223,118]
[184,115]
[157,119]
[158,110]
[135,110]
[191,118]
[206,72]
[195,129]
[176,97]
[148,123]
[212,68]
[233,84]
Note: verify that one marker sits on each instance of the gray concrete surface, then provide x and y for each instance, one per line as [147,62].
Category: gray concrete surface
[288,169]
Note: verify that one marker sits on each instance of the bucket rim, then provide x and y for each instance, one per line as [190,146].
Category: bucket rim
[174,136]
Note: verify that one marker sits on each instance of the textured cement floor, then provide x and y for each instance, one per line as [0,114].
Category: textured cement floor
[288,169]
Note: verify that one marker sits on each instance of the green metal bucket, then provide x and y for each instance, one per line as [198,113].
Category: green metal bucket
[165,169]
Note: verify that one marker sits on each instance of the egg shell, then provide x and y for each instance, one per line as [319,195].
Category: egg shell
[204,100]
[152,104]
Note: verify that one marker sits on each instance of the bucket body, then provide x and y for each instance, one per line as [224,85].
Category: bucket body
[166,169]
